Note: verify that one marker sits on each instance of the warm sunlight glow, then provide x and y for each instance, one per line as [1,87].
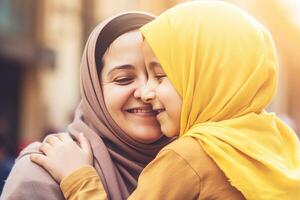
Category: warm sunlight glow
[292,7]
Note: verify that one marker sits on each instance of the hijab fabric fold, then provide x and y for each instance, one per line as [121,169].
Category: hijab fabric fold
[117,158]
[223,64]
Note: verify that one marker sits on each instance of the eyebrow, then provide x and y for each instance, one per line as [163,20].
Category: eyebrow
[127,66]
[154,64]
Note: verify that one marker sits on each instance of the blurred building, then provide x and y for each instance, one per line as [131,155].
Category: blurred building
[282,18]
[41,45]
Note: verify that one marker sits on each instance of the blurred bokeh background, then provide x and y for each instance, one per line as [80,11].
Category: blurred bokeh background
[41,42]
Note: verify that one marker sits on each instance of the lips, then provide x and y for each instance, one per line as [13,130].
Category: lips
[158,110]
[141,111]
[145,111]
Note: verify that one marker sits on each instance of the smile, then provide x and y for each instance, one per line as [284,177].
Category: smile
[141,110]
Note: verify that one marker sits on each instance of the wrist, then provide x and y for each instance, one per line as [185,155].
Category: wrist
[74,170]
[69,183]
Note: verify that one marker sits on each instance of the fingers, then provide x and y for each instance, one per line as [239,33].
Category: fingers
[64,136]
[84,143]
[40,160]
[45,162]
[52,139]
[45,148]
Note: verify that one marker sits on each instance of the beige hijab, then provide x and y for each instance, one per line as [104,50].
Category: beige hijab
[118,158]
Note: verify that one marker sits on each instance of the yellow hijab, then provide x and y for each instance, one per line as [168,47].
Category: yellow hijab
[223,64]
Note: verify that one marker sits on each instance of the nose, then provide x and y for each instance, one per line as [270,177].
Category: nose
[147,95]
[145,92]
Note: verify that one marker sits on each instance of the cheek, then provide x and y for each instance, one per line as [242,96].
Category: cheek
[164,94]
[115,97]
[177,105]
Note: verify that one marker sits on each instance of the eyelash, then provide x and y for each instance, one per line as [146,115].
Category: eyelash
[159,77]
[123,81]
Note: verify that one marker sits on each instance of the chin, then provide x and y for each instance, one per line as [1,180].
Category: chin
[169,133]
[149,138]
[150,141]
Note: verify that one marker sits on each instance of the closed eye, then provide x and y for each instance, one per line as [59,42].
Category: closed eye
[124,81]
[160,77]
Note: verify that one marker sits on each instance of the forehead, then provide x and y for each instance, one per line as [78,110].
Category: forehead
[132,39]
[151,60]
[148,53]
[125,50]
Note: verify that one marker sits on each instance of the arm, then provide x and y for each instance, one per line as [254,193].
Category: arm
[168,176]
[84,183]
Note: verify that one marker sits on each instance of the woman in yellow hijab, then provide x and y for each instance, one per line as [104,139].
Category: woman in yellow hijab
[212,71]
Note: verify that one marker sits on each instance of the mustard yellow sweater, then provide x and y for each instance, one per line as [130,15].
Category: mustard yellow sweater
[182,170]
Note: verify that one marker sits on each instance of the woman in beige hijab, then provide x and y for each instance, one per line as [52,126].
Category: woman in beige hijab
[212,71]
[122,130]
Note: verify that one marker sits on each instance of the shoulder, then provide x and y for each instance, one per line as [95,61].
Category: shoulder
[191,151]
[184,145]
[211,177]
[178,159]
[167,176]
[28,180]
[188,148]
[184,150]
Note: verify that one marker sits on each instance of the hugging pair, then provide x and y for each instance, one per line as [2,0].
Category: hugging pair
[203,70]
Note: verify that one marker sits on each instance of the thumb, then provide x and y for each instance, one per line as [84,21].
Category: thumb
[45,163]
[84,143]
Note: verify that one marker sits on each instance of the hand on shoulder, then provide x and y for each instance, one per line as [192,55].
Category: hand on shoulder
[62,155]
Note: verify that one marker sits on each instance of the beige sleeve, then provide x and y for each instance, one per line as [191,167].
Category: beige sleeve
[27,180]
[168,176]
[84,183]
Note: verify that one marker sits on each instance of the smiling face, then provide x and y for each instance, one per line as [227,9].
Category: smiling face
[123,75]
[162,95]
